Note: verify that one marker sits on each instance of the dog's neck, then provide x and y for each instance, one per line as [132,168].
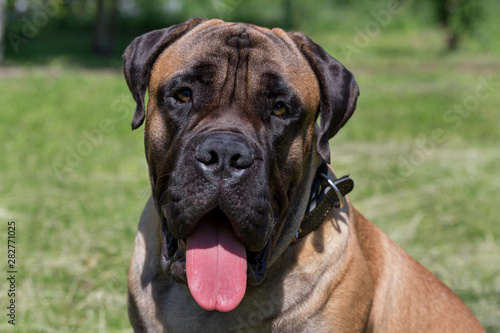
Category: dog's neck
[326,194]
[315,258]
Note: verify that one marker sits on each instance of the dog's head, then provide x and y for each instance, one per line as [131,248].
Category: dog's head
[232,144]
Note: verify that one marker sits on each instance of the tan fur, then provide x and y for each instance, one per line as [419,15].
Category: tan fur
[402,285]
[193,46]
[346,276]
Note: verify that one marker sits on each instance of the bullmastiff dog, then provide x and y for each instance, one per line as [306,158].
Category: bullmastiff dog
[247,228]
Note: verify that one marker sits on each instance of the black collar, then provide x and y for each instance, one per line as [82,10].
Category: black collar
[325,194]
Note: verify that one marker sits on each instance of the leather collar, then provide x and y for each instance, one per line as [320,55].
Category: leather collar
[325,194]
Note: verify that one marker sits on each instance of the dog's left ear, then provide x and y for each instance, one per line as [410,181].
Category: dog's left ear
[140,56]
[338,89]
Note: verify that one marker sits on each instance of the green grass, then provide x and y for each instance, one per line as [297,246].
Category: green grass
[76,227]
[437,198]
[75,234]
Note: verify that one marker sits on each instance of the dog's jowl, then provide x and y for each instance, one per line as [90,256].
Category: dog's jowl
[248,229]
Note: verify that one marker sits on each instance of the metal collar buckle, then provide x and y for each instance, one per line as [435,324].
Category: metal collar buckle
[338,204]
[325,195]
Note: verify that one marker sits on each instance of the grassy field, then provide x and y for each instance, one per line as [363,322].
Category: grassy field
[73,176]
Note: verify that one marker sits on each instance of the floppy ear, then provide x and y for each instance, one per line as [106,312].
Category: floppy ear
[338,90]
[140,56]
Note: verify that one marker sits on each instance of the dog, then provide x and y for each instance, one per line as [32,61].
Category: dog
[248,228]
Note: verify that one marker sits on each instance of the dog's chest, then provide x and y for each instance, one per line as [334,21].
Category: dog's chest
[181,313]
[262,310]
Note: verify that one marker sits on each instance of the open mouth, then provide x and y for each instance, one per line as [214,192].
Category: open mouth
[213,262]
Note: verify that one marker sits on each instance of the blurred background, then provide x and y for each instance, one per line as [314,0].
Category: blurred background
[422,146]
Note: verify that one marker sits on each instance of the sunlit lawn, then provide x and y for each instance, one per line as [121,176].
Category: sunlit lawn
[74,178]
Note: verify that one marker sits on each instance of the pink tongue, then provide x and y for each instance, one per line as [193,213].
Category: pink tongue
[216,265]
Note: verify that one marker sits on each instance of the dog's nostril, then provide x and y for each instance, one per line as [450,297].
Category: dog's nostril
[208,157]
[234,161]
[241,161]
[214,158]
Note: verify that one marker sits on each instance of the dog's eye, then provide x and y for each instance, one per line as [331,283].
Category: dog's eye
[280,109]
[183,96]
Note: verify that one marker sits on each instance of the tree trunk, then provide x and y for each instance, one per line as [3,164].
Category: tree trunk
[105,27]
[288,16]
[3,9]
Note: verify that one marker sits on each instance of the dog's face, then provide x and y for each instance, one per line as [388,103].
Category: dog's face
[231,144]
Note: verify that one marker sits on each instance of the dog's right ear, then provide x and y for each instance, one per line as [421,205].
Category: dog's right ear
[338,88]
[140,56]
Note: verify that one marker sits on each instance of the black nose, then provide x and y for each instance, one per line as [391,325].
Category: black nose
[224,155]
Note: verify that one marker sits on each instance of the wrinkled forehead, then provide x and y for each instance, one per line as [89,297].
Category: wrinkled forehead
[264,50]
